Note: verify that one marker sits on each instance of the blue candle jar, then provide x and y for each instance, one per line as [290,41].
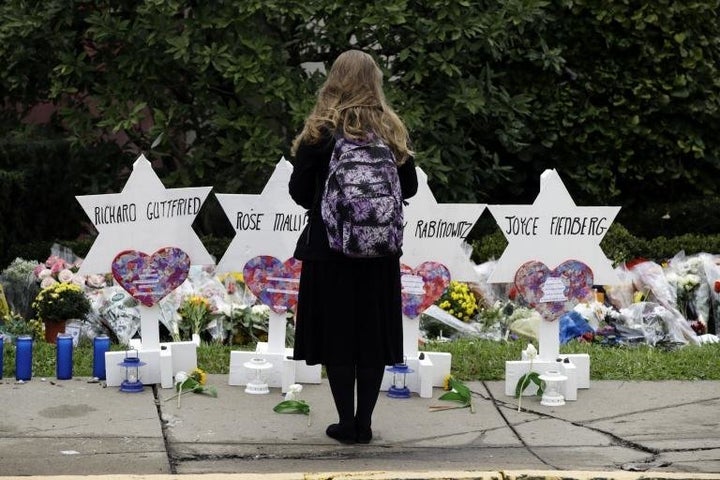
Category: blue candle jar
[64,357]
[23,357]
[101,344]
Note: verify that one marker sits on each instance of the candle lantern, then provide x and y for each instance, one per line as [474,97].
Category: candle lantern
[399,388]
[132,364]
[553,383]
[257,385]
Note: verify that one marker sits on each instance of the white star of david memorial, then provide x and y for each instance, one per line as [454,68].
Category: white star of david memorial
[437,231]
[146,217]
[434,232]
[551,230]
[265,224]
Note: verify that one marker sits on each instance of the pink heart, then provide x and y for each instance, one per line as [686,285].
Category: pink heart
[149,278]
[273,282]
[554,292]
[422,286]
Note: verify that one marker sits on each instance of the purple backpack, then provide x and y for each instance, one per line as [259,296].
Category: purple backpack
[362,204]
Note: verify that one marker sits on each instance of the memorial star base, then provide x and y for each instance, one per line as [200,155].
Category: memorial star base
[577,369]
[163,360]
[284,371]
[429,368]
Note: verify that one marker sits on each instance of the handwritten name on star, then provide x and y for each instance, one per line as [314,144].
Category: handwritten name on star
[152,210]
[557,226]
[259,221]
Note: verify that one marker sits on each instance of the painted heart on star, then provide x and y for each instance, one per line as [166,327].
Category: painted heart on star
[422,286]
[554,292]
[149,278]
[273,282]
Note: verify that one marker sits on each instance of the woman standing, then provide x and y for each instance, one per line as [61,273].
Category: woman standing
[349,314]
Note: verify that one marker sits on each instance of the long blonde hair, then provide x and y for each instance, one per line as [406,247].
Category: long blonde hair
[352,101]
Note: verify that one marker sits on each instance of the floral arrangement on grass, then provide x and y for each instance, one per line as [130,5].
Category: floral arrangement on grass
[459,301]
[55,270]
[20,286]
[196,313]
[233,282]
[14,325]
[248,323]
[61,302]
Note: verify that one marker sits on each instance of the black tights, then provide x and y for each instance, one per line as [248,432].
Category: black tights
[342,385]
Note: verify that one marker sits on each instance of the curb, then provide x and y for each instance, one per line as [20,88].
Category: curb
[408,475]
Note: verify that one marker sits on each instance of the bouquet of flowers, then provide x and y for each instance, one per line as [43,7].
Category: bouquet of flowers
[60,302]
[18,281]
[195,312]
[459,301]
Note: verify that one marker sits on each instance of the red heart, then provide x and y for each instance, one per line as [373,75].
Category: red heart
[149,278]
[275,283]
[554,292]
[422,286]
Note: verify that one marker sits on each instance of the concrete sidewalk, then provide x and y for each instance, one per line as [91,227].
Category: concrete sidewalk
[613,430]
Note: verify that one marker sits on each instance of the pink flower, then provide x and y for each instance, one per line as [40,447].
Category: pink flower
[55,264]
[39,268]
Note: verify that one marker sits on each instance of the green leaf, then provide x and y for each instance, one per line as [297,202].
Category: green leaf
[525,380]
[292,406]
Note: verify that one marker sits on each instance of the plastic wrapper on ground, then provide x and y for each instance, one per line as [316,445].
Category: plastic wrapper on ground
[658,324]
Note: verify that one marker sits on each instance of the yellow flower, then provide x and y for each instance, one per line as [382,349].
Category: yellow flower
[446,382]
[199,375]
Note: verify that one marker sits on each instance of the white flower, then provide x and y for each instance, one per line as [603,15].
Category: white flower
[260,309]
[44,273]
[293,391]
[96,281]
[530,352]
[180,377]
[690,281]
[65,275]
[47,281]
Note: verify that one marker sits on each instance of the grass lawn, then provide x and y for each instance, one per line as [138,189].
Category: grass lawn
[472,360]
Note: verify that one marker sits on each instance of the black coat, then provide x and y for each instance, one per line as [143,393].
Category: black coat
[310,170]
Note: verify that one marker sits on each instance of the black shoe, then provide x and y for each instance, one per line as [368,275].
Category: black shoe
[341,433]
[364,434]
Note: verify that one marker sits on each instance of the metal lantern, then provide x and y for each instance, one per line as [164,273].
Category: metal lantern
[399,388]
[132,364]
[257,385]
[553,384]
